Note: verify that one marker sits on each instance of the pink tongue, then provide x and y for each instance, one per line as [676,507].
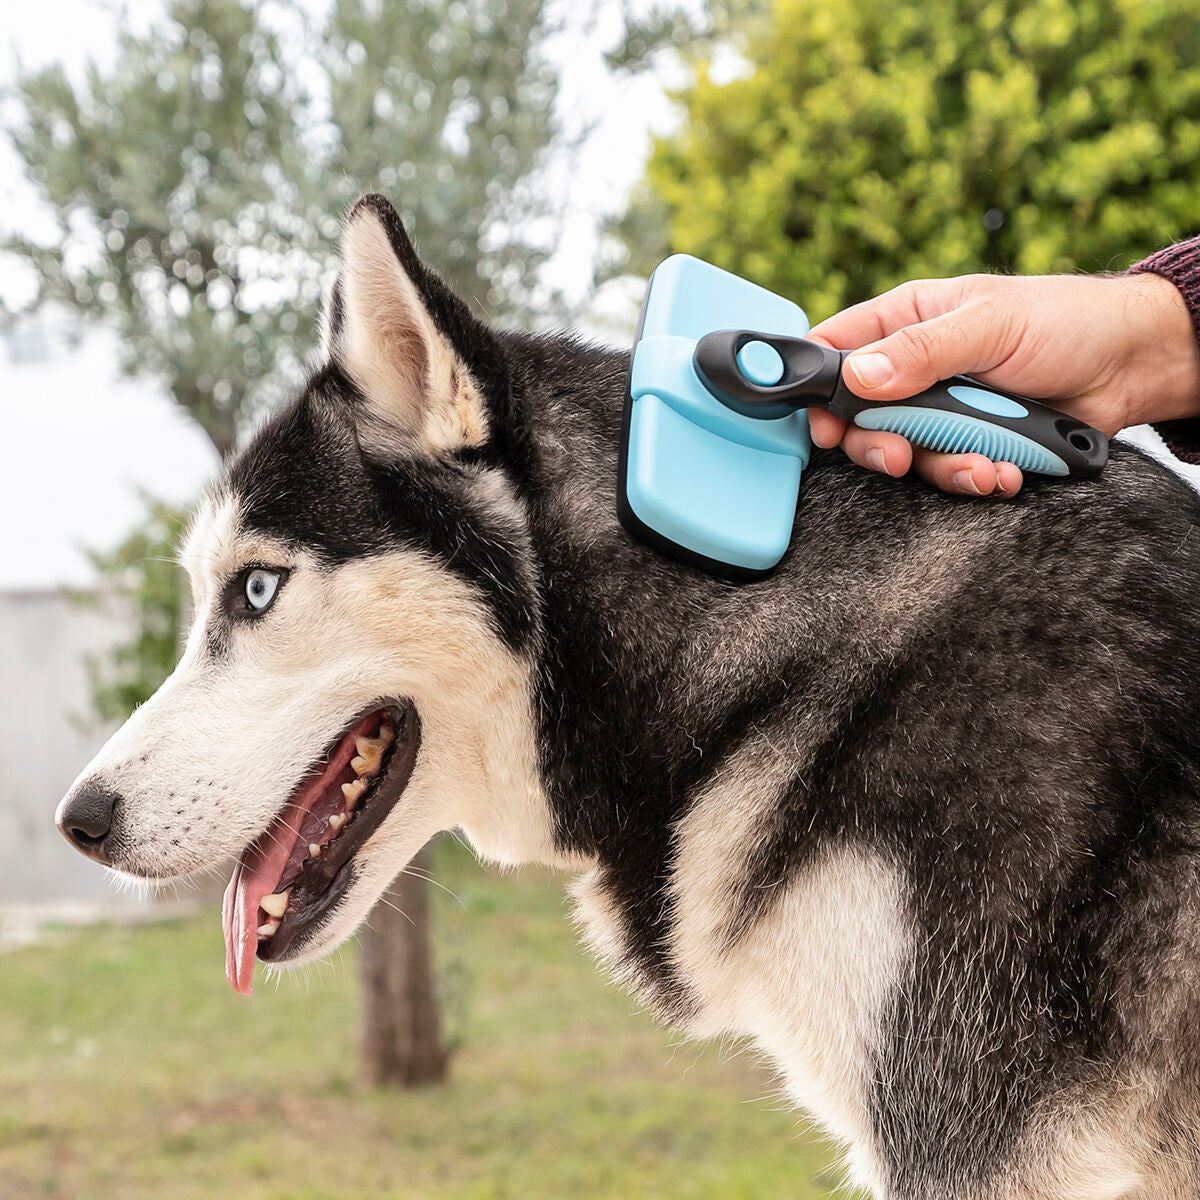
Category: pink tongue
[253,878]
[262,863]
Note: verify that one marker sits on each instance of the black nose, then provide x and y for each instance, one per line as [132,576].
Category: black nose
[86,818]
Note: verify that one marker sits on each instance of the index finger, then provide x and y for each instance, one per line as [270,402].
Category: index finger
[871,320]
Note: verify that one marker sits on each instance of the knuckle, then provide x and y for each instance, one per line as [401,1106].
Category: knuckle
[981,283]
[915,292]
[904,301]
[929,298]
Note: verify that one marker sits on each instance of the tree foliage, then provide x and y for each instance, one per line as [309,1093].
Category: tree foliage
[869,142]
[141,580]
[197,185]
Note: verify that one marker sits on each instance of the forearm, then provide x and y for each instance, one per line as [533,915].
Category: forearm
[1180,265]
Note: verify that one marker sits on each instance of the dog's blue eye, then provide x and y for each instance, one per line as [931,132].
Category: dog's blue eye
[261,586]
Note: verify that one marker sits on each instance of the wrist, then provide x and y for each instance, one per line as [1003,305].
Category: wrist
[1163,371]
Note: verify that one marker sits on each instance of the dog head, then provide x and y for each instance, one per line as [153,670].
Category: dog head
[358,673]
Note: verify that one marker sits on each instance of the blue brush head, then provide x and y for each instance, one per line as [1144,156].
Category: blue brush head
[700,482]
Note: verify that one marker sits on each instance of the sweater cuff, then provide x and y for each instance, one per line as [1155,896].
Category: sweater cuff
[1180,264]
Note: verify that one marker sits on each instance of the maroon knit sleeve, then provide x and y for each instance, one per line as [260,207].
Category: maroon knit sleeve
[1181,265]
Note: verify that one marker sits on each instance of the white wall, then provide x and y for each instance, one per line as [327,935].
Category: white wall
[79,448]
[44,638]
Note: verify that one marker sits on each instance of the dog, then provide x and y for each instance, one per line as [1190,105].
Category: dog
[918,815]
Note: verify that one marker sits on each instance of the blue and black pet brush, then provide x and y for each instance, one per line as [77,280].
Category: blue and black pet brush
[715,436]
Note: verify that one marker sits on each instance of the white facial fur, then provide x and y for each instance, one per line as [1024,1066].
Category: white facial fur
[209,761]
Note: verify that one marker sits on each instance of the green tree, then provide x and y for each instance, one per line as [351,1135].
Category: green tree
[197,188]
[142,579]
[869,142]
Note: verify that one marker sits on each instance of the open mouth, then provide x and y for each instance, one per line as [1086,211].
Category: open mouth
[295,872]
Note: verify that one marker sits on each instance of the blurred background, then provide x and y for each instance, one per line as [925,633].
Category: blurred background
[172,176]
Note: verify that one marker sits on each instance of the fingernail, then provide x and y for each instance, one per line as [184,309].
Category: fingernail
[1000,488]
[871,370]
[964,480]
[876,459]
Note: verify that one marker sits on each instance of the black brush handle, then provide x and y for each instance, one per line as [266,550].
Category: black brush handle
[767,376]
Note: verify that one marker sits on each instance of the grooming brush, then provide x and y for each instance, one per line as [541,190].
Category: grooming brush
[715,439]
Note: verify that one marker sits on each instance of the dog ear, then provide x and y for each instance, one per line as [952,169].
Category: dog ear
[431,374]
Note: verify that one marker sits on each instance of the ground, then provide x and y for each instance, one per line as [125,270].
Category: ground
[129,1069]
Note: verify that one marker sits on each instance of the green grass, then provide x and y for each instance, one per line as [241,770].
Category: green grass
[129,1070]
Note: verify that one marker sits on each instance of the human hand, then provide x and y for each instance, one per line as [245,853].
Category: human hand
[1111,350]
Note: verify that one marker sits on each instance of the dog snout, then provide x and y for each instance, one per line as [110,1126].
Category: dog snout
[85,818]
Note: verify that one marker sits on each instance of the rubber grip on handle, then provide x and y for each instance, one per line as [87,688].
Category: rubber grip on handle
[960,415]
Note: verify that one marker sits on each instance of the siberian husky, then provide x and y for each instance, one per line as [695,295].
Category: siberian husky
[919,814]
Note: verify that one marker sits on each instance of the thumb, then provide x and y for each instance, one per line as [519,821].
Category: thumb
[973,338]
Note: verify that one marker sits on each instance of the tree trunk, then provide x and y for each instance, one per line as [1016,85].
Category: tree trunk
[401,1028]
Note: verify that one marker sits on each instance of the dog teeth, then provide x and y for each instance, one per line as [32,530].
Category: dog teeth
[361,764]
[352,791]
[370,752]
[269,929]
[275,904]
[337,821]
[314,849]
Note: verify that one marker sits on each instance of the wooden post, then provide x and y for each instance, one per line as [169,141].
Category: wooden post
[401,1027]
